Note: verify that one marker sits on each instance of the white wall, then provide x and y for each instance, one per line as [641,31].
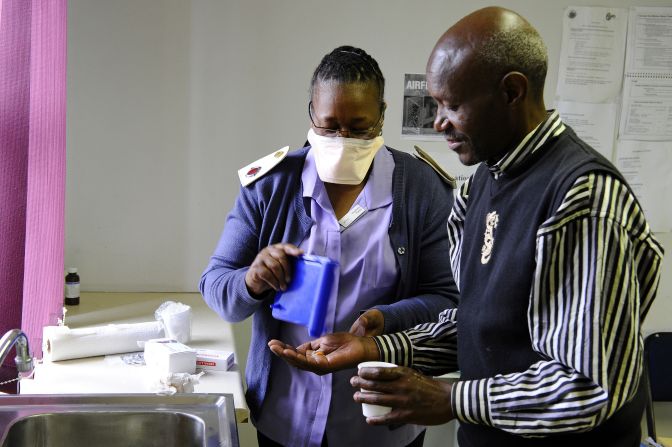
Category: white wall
[128,144]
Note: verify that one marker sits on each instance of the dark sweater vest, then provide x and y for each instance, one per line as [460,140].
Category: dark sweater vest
[492,324]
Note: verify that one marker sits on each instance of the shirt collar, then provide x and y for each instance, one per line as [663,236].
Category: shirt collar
[547,130]
[309,177]
[378,189]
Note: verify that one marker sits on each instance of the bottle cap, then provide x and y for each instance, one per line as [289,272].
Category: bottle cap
[72,269]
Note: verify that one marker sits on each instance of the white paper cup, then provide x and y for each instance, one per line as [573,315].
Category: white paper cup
[176,318]
[370,410]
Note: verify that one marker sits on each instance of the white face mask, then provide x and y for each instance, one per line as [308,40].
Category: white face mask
[343,160]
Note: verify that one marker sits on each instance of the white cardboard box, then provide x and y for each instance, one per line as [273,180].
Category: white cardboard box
[214,360]
[170,356]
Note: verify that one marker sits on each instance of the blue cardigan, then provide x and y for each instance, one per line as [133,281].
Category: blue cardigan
[273,210]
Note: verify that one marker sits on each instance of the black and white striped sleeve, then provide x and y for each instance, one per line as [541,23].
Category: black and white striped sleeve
[598,268]
[455,228]
[429,347]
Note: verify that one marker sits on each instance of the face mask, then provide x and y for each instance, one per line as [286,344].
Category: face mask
[343,160]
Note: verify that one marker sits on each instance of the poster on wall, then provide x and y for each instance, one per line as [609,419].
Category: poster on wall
[418,110]
[647,108]
[646,114]
[591,56]
[643,150]
[590,73]
[615,78]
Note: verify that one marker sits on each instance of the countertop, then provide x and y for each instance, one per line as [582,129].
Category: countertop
[108,374]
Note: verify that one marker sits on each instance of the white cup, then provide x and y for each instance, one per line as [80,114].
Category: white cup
[370,410]
[176,319]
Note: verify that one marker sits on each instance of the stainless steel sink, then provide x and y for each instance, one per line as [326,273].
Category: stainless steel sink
[107,420]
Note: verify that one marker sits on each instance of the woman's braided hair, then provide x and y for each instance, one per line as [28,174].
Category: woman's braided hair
[347,64]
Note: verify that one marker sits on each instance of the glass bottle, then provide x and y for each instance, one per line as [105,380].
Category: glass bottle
[72,287]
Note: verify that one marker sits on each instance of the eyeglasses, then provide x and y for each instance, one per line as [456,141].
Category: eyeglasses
[364,134]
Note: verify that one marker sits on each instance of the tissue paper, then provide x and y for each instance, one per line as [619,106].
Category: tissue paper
[172,383]
[63,343]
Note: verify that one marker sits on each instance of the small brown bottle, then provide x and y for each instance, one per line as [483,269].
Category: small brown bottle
[72,287]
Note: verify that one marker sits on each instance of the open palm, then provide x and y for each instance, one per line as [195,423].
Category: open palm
[327,354]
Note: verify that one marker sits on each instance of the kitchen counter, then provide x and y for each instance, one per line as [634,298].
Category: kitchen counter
[108,374]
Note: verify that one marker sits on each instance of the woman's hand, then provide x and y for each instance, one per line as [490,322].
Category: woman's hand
[271,269]
[327,354]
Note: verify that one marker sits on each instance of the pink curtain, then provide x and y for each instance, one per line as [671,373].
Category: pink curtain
[32,164]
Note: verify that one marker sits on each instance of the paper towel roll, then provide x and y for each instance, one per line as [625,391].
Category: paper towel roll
[63,343]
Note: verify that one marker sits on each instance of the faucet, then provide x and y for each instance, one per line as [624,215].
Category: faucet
[23,359]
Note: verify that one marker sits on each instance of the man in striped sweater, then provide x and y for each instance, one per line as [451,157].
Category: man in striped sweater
[555,262]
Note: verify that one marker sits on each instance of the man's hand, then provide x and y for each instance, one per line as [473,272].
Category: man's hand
[327,354]
[369,324]
[414,398]
[271,269]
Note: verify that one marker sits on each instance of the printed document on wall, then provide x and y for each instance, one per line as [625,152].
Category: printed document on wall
[646,167]
[646,114]
[647,108]
[593,123]
[591,56]
[649,40]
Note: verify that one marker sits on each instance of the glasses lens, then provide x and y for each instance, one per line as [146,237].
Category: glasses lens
[327,132]
[364,134]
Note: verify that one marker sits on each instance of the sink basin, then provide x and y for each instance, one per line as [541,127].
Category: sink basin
[107,429]
[111,420]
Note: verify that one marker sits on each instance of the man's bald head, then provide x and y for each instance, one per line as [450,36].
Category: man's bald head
[492,42]
[486,74]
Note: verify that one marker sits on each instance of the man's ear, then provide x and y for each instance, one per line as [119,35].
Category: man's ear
[514,86]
